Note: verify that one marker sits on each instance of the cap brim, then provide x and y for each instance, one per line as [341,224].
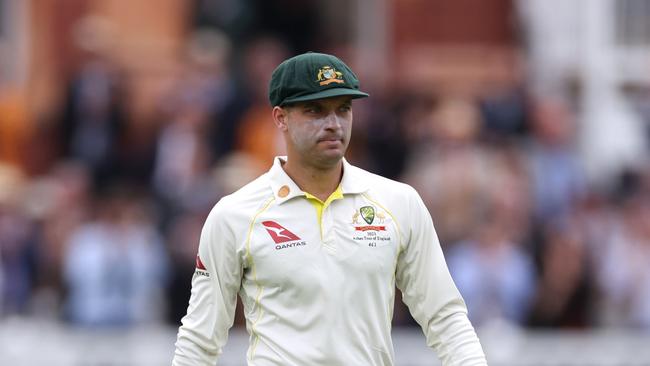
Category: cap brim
[328,93]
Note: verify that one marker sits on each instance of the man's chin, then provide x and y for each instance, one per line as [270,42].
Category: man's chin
[330,158]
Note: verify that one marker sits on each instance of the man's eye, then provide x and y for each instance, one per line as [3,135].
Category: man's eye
[346,108]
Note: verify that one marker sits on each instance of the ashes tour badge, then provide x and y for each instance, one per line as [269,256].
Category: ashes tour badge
[368,214]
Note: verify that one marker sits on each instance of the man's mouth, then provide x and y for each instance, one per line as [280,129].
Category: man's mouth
[330,139]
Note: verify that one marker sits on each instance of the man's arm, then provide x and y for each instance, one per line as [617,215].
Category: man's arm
[430,293]
[211,311]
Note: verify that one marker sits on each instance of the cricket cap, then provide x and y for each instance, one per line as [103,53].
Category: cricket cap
[311,76]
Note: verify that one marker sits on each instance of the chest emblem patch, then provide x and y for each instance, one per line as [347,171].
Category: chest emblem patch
[369,227]
[282,237]
[367,213]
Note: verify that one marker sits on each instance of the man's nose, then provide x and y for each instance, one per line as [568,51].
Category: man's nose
[332,121]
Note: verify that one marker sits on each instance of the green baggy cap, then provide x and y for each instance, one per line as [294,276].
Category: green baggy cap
[312,76]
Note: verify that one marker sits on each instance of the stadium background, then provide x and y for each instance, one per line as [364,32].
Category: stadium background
[523,124]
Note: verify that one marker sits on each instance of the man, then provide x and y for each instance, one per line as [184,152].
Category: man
[315,246]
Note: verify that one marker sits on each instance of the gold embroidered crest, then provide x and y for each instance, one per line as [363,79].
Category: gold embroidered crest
[328,75]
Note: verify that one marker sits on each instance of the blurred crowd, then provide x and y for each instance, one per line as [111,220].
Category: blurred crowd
[107,234]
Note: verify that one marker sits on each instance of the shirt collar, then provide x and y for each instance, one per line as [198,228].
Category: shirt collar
[353,181]
[284,188]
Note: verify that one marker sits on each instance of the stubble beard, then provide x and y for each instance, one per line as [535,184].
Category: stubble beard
[311,152]
[314,156]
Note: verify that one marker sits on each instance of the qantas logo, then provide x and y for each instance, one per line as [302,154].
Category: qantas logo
[278,233]
[282,237]
[200,268]
[199,264]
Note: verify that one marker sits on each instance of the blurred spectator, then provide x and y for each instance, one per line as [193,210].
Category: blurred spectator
[182,246]
[233,16]
[624,263]
[557,176]
[17,240]
[181,176]
[283,17]
[639,96]
[200,115]
[493,271]
[14,126]
[115,265]
[449,167]
[94,118]
[504,112]
[257,136]
[66,189]
[564,291]
[298,22]
[494,275]
[233,172]
[388,146]
[208,81]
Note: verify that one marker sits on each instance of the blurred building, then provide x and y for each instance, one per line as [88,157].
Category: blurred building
[595,53]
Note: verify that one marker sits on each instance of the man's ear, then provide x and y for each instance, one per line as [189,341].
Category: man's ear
[280,117]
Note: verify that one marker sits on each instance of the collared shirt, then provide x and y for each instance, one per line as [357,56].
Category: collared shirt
[317,279]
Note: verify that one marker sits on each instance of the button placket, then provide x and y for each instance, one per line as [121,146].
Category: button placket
[328,237]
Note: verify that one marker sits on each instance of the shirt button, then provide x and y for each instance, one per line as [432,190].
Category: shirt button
[283,191]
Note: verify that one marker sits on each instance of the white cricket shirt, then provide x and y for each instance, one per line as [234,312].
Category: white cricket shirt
[317,278]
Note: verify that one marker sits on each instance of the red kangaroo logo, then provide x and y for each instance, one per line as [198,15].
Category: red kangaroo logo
[279,233]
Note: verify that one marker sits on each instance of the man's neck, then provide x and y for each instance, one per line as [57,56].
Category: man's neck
[315,181]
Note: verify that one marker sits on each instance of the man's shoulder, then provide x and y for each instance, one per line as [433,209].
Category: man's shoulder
[380,184]
[246,200]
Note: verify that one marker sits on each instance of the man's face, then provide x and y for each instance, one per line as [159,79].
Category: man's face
[318,132]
